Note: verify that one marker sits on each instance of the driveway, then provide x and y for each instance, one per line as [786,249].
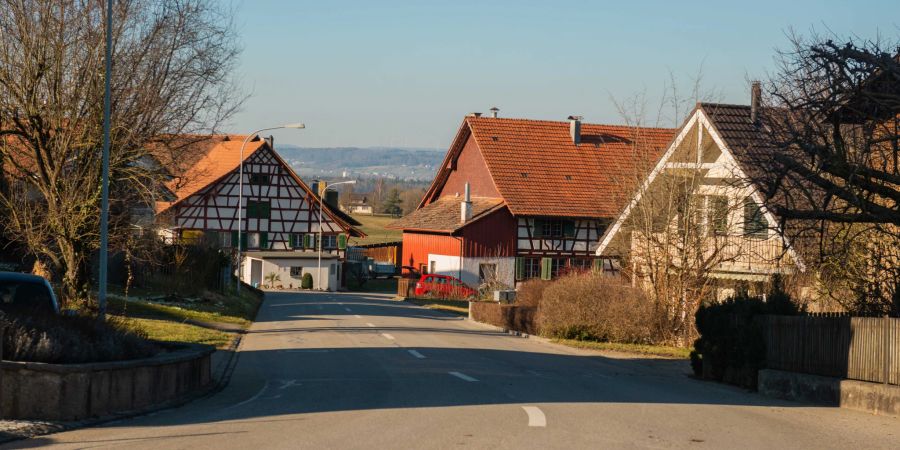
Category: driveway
[326,370]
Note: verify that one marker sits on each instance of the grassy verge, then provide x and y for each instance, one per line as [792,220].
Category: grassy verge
[194,321]
[640,349]
[460,307]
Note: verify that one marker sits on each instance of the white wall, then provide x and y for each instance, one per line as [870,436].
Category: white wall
[450,265]
[282,267]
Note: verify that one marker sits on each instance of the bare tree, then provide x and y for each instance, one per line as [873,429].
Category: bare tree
[172,66]
[833,118]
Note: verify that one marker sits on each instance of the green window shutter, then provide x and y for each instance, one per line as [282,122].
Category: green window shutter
[234,238]
[569,228]
[308,240]
[342,241]
[520,268]
[244,240]
[538,227]
[251,209]
[597,265]
[546,268]
[264,240]
[265,210]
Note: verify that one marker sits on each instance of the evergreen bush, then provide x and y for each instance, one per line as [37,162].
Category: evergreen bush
[307,281]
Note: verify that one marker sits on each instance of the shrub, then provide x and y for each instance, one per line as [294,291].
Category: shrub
[71,340]
[307,281]
[596,307]
[731,346]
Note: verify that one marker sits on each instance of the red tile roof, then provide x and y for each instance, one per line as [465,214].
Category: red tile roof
[539,171]
[444,214]
[200,162]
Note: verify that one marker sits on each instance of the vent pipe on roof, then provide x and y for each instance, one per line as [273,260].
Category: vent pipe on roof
[575,129]
[494,111]
[474,114]
[465,208]
[271,141]
[755,98]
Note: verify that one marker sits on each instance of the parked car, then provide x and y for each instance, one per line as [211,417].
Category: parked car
[443,286]
[25,293]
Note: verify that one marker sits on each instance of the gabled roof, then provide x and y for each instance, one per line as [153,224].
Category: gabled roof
[443,215]
[206,160]
[539,171]
[212,158]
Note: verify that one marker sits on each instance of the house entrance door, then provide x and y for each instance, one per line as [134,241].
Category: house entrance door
[255,272]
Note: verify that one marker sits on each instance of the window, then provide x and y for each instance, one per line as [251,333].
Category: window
[558,267]
[260,178]
[487,273]
[253,240]
[329,241]
[532,268]
[296,272]
[717,214]
[553,228]
[755,224]
[258,209]
[581,264]
[225,239]
[296,240]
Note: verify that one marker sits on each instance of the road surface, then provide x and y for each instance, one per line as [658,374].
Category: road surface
[326,370]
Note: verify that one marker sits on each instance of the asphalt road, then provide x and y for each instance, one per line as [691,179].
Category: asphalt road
[362,371]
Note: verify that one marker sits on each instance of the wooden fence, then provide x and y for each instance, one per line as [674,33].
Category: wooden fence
[857,348]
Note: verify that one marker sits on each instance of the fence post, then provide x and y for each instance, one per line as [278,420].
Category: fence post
[886,343]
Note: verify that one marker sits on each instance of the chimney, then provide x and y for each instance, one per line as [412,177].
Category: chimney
[494,111]
[755,98]
[474,114]
[271,141]
[465,208]
[575,129]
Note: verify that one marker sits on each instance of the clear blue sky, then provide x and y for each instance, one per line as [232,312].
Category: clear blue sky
[404,73]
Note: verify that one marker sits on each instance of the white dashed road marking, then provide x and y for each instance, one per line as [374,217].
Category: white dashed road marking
[416,354]
[357,316]
[536,417]
[387,336]
[370,325]
[462,376]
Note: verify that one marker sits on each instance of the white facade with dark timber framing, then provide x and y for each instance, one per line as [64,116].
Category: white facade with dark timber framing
[280,213]
[712,147]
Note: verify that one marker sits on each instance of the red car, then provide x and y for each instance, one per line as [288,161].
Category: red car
[443,286]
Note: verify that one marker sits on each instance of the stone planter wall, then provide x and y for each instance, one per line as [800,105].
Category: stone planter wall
[79,391]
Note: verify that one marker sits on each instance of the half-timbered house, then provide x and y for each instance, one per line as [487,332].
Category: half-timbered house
[516,199]
[713,164]
[280,214]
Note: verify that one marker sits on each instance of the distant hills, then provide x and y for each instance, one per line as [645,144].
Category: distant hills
[370,162]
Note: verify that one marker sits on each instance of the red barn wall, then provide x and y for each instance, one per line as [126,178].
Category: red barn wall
[494,235]
[470,167]
[417,246]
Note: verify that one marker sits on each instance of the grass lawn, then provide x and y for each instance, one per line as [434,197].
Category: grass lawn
[374,227]
[460,307]
[184,321]
[655,350]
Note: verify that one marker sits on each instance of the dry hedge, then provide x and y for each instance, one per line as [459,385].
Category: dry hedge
[596,307]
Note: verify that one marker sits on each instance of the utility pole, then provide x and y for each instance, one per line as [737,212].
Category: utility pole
[104,189]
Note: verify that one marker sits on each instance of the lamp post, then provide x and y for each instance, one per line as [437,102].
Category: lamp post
[319,240]
[104,184]
[240,205]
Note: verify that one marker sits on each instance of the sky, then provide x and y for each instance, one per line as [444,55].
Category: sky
[405,73]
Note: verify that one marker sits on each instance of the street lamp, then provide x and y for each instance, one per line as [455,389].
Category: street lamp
[240,205]
[319,240]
